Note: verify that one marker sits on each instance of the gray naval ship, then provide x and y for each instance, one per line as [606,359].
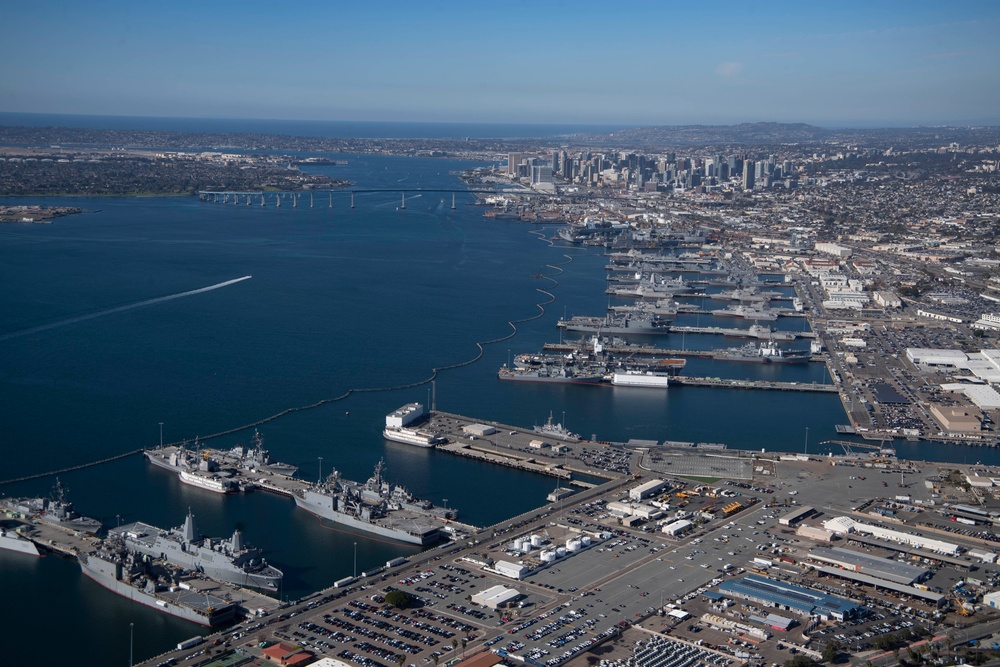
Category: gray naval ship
[154,584]
[55,510]
[223,560]
[376,507]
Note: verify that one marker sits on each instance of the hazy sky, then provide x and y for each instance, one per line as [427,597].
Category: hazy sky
[843,63]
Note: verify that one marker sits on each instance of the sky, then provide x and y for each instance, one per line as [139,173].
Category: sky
[876,63]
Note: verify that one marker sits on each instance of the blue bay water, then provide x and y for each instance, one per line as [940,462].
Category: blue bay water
[339,299]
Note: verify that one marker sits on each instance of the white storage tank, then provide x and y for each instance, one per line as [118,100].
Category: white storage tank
[536,541]
[525,545]
[574,545]
[585,540]
[560,552]
[548,556]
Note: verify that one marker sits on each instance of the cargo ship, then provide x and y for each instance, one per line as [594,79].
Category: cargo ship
[155,585]
[222,560]
[376,507]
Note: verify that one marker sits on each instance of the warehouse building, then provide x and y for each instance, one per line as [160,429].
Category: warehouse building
[844,525]
[936,599]
[795,515]
[647,489]
[880,568]
[796,599]
[496,597]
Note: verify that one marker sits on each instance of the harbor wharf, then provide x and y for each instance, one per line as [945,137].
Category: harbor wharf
[518,447]
[605,581]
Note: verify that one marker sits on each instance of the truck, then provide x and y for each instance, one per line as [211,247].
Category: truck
[190,643]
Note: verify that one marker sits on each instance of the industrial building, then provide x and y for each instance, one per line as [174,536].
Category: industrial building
[647,489]
[881,568]
[796,599]
[675,528]
[857,577]
[795,515]
[815,533]
[843,525]
[496,597]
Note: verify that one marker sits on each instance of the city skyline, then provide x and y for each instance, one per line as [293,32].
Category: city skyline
[856,65]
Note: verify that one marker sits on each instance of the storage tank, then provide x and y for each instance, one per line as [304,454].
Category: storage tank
[536,541]
[548,556]
[560,552]
[573,545]
[585,540]
[525,545]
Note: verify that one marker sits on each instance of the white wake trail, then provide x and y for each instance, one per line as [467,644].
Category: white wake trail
[119,309]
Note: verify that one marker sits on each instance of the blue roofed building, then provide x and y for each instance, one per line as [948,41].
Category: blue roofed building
[796,599]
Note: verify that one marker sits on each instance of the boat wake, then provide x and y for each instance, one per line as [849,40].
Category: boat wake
[118,309]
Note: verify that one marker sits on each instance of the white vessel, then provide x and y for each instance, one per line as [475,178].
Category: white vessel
[397,425]
[192,469]
[413,437]
[641,379]
[210,482]
[11,541]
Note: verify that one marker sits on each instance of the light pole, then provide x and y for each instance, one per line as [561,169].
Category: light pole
[355,560]
[806,450]
[161,435]
[320,480]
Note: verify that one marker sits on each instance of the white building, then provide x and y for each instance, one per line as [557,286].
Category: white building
[496,597]
[647,489]
[833,249]
[676,528]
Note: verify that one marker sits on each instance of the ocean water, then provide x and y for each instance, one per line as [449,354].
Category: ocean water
[339,299]
[306,128]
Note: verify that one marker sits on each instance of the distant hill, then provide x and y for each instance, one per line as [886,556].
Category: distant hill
[760,134]
[743,133]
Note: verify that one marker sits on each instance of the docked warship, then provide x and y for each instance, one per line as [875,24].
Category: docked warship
[767,353]
[376,507]
[194,469]
[223,560]
[139,578]
[628,324]
[55,510]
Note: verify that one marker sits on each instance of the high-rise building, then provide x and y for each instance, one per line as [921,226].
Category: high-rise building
[513,161]
[748,174]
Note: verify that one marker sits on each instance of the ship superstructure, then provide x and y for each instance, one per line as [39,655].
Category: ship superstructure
[56,510]
[220,559]
[376,507]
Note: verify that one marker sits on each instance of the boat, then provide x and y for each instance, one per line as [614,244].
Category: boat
[222,560]
[11,541]
[255,457]
[557,431]
[637,378]
[766,352]
[746,312]
[399,421]
[643,323]
[553,371]
[55,510]
[200,471]
[376,507]
[155,585]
